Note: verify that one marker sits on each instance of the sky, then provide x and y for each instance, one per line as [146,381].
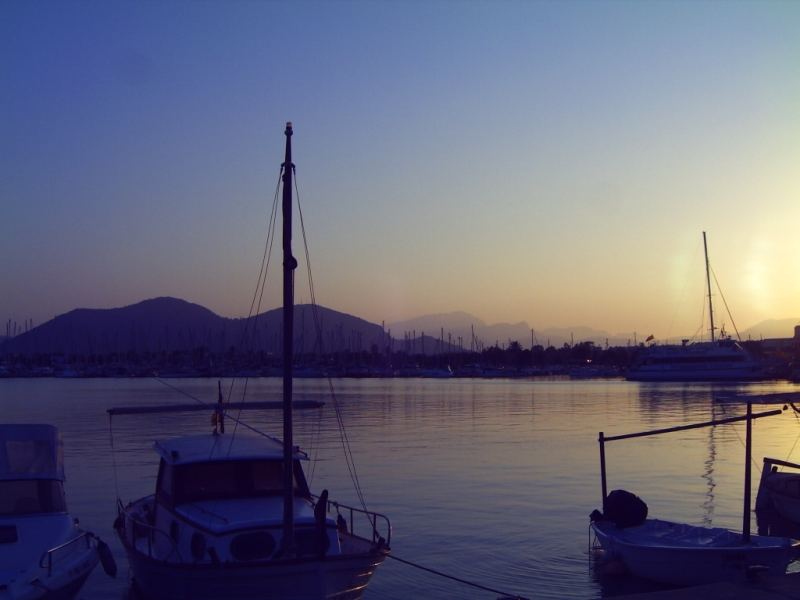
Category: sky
[548,162]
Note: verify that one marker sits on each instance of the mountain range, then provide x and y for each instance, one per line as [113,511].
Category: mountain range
[460,324]
[169,324]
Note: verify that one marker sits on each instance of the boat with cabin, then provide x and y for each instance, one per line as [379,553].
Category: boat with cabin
[721,359]
[44,553]
[232,515]
[681,554]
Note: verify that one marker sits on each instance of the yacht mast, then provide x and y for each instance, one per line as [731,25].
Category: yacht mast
[289,265]
[708,281]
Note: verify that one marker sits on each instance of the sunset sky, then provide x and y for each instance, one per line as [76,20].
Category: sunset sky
[553,162]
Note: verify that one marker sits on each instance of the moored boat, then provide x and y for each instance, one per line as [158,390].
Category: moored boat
[721,359]
[780,490]
[44,553]
[681,554]
[214,527]
[232,515]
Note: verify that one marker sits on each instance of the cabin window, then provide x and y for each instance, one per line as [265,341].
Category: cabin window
[231,479]
[31,496]
[29,457]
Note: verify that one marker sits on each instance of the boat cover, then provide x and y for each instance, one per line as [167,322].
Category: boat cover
[657,533]
[31,452]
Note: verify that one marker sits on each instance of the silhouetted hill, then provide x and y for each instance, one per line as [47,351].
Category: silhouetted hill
[462,324]
[169,324]
[771,328]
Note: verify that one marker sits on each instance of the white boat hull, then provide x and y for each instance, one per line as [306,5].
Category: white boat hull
[676,554]
[341,577]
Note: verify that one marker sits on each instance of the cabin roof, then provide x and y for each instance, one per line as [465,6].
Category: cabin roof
[31,452]
[223,447]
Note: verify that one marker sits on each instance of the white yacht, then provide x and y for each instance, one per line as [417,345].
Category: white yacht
[44,554]
[720,360]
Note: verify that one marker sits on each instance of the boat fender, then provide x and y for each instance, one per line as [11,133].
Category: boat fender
[320,514]
[106,558]
[596,516]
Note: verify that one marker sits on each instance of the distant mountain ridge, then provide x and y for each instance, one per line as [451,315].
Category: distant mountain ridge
[461,324]
[168,324]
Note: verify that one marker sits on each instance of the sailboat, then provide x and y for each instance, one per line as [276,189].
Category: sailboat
[681,554]
[721,359]
[232,515]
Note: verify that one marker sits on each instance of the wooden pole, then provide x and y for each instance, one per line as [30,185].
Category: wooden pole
[289,265]
[626,436]
[603,468]
[748,451]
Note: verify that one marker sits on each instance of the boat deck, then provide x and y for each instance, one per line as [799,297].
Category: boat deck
[762,588]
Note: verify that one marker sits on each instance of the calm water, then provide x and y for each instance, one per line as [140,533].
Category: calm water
[490,480]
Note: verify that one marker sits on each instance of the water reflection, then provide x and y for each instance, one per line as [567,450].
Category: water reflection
[489,480]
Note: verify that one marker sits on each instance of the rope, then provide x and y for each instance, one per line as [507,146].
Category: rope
[211,406]
[794,412]
[458,579]
[348,453]
[728,310]
[261,283]
[113,454]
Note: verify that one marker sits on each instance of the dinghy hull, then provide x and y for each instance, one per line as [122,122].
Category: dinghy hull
[678,554]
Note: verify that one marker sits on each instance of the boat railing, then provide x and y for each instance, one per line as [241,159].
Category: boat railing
[141,528]
[375,520]
[46,561]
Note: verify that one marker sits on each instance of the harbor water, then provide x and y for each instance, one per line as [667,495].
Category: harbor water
[488,480]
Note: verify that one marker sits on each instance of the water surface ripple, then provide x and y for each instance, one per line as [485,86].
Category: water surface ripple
[489,480]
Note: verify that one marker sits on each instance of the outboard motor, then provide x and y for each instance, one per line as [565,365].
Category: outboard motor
[624,509]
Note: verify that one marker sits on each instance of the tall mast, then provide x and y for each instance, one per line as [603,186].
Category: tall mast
[708,281]
[289,265]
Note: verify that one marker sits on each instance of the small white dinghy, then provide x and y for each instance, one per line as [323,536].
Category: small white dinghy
[43,552]
[680,554]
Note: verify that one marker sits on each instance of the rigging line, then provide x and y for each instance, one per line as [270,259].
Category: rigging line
[180,391]
[316,438]
[349,459]
[454,578]
[795,441]
[730,316]
[682,297]
[210,406]
[259,291]
[113,454]
[265,258]
[741,441]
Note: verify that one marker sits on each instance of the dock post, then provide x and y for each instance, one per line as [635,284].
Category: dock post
[602,441]
[748,450]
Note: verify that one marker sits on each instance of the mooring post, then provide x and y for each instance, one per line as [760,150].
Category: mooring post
[602,441]
[748,450]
